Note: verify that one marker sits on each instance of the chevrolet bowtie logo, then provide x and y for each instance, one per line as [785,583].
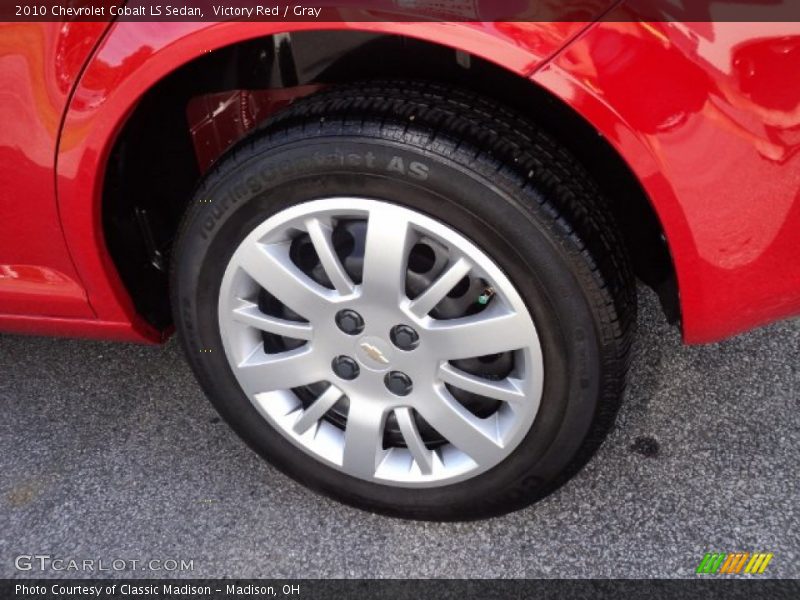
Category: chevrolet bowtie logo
[374,353]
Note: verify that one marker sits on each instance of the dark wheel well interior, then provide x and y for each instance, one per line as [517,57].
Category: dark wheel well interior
[153,169]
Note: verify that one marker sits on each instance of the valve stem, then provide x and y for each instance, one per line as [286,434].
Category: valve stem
[486,296]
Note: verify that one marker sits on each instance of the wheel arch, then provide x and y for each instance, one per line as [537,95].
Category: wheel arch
[127,83]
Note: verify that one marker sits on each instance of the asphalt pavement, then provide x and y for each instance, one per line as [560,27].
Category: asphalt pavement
[111,451]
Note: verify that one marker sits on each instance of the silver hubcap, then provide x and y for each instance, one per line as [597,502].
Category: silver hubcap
[448,365]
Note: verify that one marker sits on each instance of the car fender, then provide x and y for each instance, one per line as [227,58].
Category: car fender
[702,115]
[134,56]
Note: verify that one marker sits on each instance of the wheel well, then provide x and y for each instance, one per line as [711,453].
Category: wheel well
[171,137]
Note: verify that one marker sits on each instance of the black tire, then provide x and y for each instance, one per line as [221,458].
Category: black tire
[491,175]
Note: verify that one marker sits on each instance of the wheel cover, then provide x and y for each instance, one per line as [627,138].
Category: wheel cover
[499,325]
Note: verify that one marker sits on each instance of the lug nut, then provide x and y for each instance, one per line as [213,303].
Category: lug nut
[398,383]
[350,321]
[345,367]
[404,337]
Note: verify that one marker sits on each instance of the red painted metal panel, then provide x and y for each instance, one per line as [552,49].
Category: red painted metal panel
[706,114]
[708,117]
[39,63]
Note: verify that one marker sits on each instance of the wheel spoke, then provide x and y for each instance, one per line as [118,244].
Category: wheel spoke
[385,256]
[427,300]
[505,389]
[317,409]
[488,332]
[272,269]
[262,372]
[363,439]
[248,313]
[473,436]
[320,234]
[408,428]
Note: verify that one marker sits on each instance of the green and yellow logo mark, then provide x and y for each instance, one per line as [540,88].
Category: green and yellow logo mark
[719,563]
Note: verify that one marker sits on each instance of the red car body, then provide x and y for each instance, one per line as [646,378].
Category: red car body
[706,116]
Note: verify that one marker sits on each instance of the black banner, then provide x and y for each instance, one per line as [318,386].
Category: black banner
[440,589]
[398,10]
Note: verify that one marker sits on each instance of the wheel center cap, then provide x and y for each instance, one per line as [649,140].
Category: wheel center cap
[374,353]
